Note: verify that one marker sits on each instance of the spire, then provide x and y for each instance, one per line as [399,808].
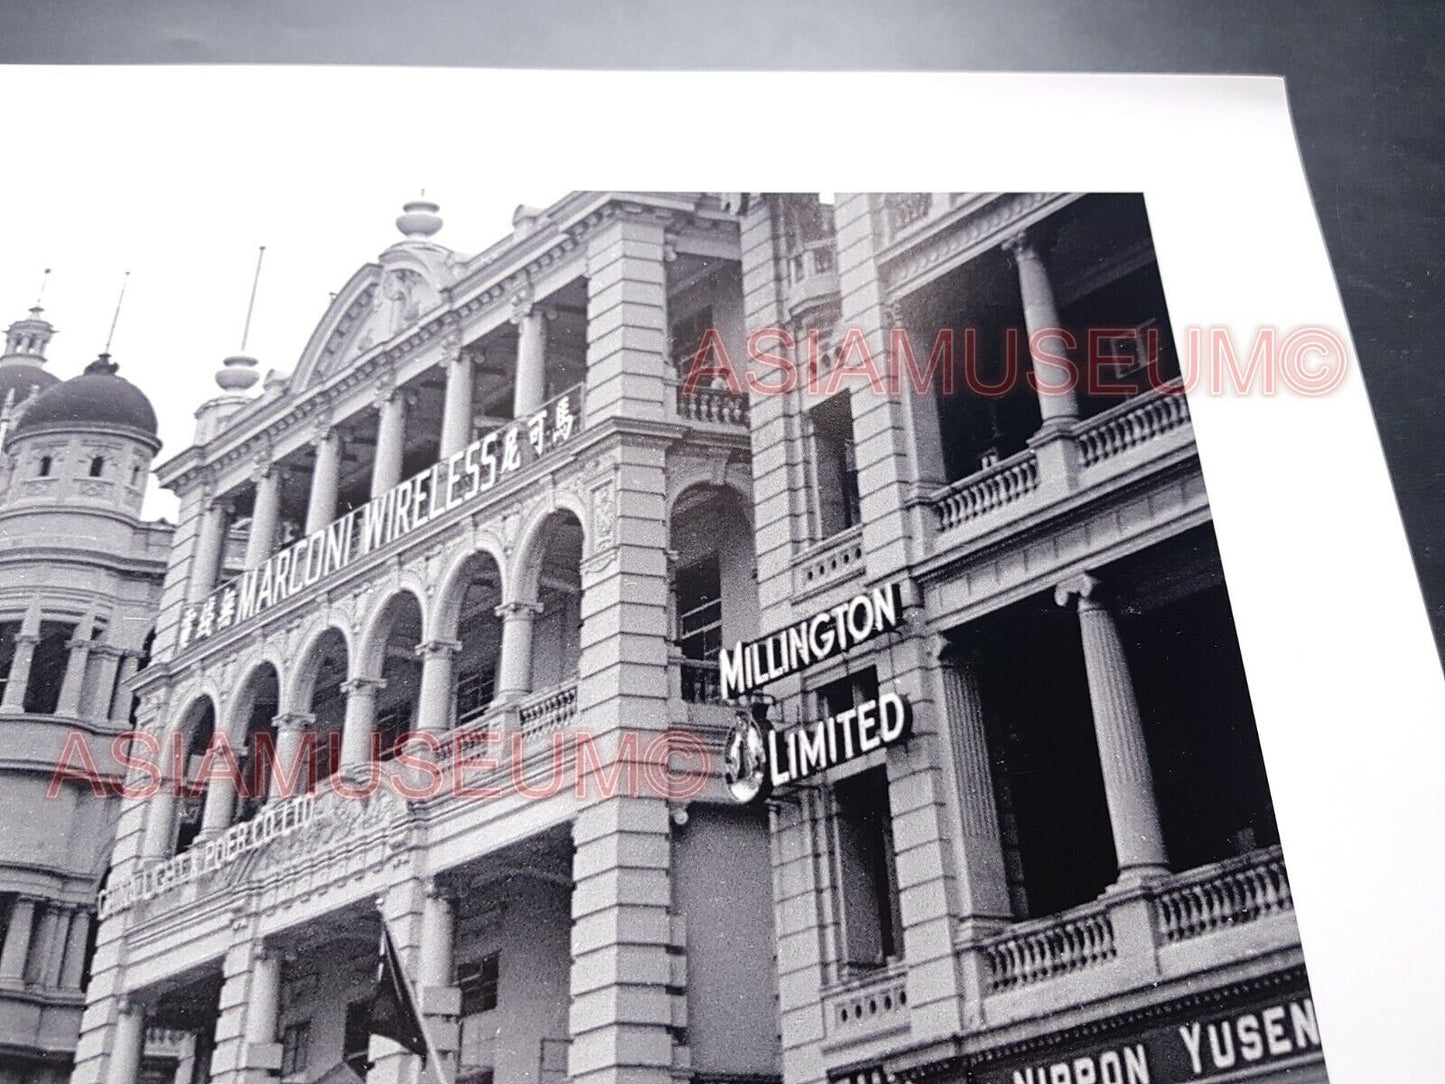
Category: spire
[26,339]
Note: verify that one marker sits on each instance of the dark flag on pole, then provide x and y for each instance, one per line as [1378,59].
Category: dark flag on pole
[393,1009]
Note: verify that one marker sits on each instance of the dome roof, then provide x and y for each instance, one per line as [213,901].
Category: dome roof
[95,397]
[25,381]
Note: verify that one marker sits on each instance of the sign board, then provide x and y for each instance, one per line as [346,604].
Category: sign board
[404,508]
[1276,1033]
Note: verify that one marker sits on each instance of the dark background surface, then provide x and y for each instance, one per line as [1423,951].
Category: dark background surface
[1364,83]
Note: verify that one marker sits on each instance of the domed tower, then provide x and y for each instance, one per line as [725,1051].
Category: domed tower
[80,581]
[22,368]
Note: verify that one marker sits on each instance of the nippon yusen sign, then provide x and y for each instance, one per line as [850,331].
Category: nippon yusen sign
[757,758]
[410,504]
[752,664]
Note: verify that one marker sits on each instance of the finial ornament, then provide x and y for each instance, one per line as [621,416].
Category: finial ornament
[419,219]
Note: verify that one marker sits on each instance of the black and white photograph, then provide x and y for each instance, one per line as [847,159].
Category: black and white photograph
[463,624]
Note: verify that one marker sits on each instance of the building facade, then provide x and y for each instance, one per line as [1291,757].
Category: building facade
[80,580]
[476,566]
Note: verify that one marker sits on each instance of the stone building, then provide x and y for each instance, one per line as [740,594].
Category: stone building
[80,580]
[494,540]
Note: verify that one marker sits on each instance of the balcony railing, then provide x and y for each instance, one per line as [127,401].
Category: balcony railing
[545,712]
[1131,423]
[1033,951]
[863,1008]
[1184,907]
[1224,895]
[712,406]
[991,488]
[831,561]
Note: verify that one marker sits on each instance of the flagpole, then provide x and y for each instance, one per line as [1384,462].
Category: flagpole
[433,1058]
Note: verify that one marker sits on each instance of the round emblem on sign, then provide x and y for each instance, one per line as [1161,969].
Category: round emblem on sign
[745,759]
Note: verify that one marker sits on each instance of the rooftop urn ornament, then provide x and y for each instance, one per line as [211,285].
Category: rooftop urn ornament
[419,219]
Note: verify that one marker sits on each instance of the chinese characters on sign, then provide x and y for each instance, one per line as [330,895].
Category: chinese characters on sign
[409,505]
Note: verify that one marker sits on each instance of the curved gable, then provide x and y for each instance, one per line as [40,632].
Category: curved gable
[339,335]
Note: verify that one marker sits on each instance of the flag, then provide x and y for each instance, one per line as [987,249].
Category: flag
[393,1009]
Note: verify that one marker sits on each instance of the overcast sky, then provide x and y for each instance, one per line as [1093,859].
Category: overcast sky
[177,175]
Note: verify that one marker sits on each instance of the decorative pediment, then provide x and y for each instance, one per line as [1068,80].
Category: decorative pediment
[381,301]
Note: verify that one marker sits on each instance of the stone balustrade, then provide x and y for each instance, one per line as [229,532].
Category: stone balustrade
[712,406]
[545,712]
[1131,423]
[1224,895]
[1057,945]
[989,489]
[863,1007]
[830,561]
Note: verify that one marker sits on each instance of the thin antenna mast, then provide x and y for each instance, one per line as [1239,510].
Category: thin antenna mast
[116,318]
[251,305]
[45,278]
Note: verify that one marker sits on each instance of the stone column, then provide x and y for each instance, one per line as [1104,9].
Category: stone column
[263,1052]
[265,514]
[360,719]
[120,704]
[160,823]
[391,410]
[18,682]
[457,410]
[17,939]
[434,699]
[325,481]
[105,679]
[1119,731]
[75,942]
[59,945]
[43,944]
[218,808]
[291,730]
[514,667]
[209,552]
[127,1043]
[441,1000]
[1041,314]
[984,884]
[530,390]
[73,684]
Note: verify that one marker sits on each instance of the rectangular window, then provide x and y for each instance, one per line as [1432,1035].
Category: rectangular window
[295,1047]
[867,877]
[836,479]
[478,982]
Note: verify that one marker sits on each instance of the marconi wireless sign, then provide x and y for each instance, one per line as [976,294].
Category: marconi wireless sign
[758,758]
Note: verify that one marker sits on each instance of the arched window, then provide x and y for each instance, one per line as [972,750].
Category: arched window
[45,465]
[97,466]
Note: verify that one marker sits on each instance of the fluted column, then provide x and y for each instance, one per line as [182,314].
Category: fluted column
[1041,315]
[17,939]
[72,686]
[120,703]
[391,410]
[1119,731]
[210,547]
[457,410]
[434,699]
[359,722]
[514,667]
[76,938]
[325,481]
[985,884]
[291,730]
[530,390]
[265,515]
[127,1043]
[59,940]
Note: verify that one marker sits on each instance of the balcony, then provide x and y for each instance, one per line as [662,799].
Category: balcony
[833,561]
[812,277]
[711,406]
[1203,919]
[1148,428]
[867,1009]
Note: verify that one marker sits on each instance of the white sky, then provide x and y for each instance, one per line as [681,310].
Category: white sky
[177,175]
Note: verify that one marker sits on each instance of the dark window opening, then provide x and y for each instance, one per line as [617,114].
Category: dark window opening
[8,631]
[190,807]
[836,484]
[475,690]
[356,1037]
[867,877]
[260,751]
[47,668]
[478,981]
[699,627]
[1131,308]
[1209,775]
[1057,840]
[687,335]
[97,466]
[45,464]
